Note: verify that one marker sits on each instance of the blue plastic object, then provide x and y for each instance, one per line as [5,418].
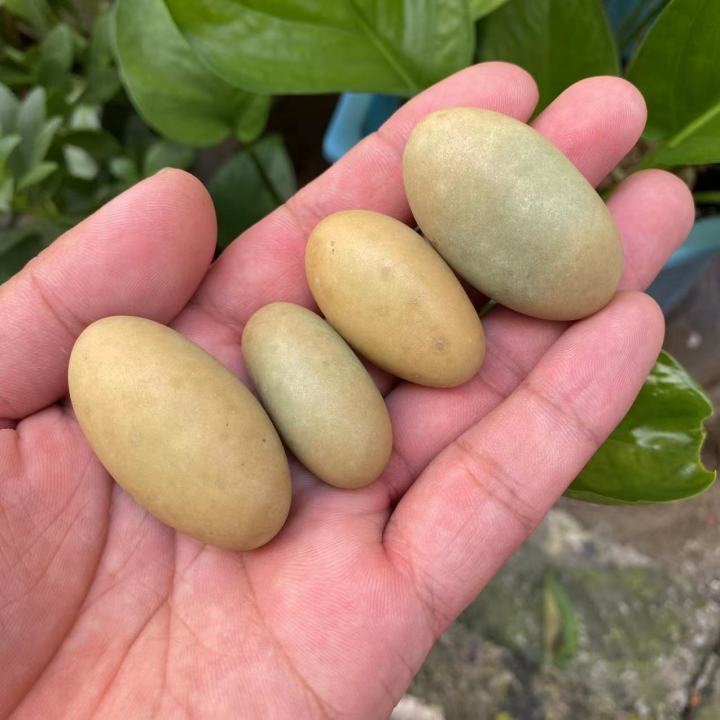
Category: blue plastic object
[687,263]
[617,10]
[628,15]
[356,115]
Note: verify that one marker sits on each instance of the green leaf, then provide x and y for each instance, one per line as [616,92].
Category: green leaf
[44,139]
[29,123]
[57,51]
[99,143]
[31,114]
[172,90]
[79,13]
[37,13]
[162,154]
[481,8]
[37,135]
[557,41]
[37,174]
[101,75]
[136,139]
[253,118]
[102,85]
[100,48]
[21,244]
[15,77]
[676,69]
[79,163]
[85,117]
[7,145]
[559,623]
[19,57]
[123,168]
[7,191]
[251,185]
[9,106]
[7,181]
[315,46]
[654,454]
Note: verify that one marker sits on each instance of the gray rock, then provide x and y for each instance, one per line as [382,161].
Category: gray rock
[411,708]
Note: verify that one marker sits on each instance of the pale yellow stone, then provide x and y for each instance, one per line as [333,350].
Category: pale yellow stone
[179,432]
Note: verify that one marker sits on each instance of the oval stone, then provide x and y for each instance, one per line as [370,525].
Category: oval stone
[321,398]
[179,432]
[393,298]
[511,214]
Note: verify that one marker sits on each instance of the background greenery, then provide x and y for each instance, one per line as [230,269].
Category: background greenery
[96,95]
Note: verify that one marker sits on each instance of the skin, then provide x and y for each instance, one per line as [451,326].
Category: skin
[115,615]
[511,214]
[207,460]
[320,396]
[393,298]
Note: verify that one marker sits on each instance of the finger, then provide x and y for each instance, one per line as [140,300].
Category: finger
[266,264]
[655,211]
[142,254]
[486,492]
[595,122]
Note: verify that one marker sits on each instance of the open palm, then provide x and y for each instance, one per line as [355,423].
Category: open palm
[105,612]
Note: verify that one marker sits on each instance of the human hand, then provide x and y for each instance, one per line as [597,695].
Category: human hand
[106,612]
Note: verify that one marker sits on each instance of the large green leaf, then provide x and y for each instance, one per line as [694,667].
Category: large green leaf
[481,8]
[314,46]
[172,90]
[676,68]
[557,41]
[653,455]
[251,185]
